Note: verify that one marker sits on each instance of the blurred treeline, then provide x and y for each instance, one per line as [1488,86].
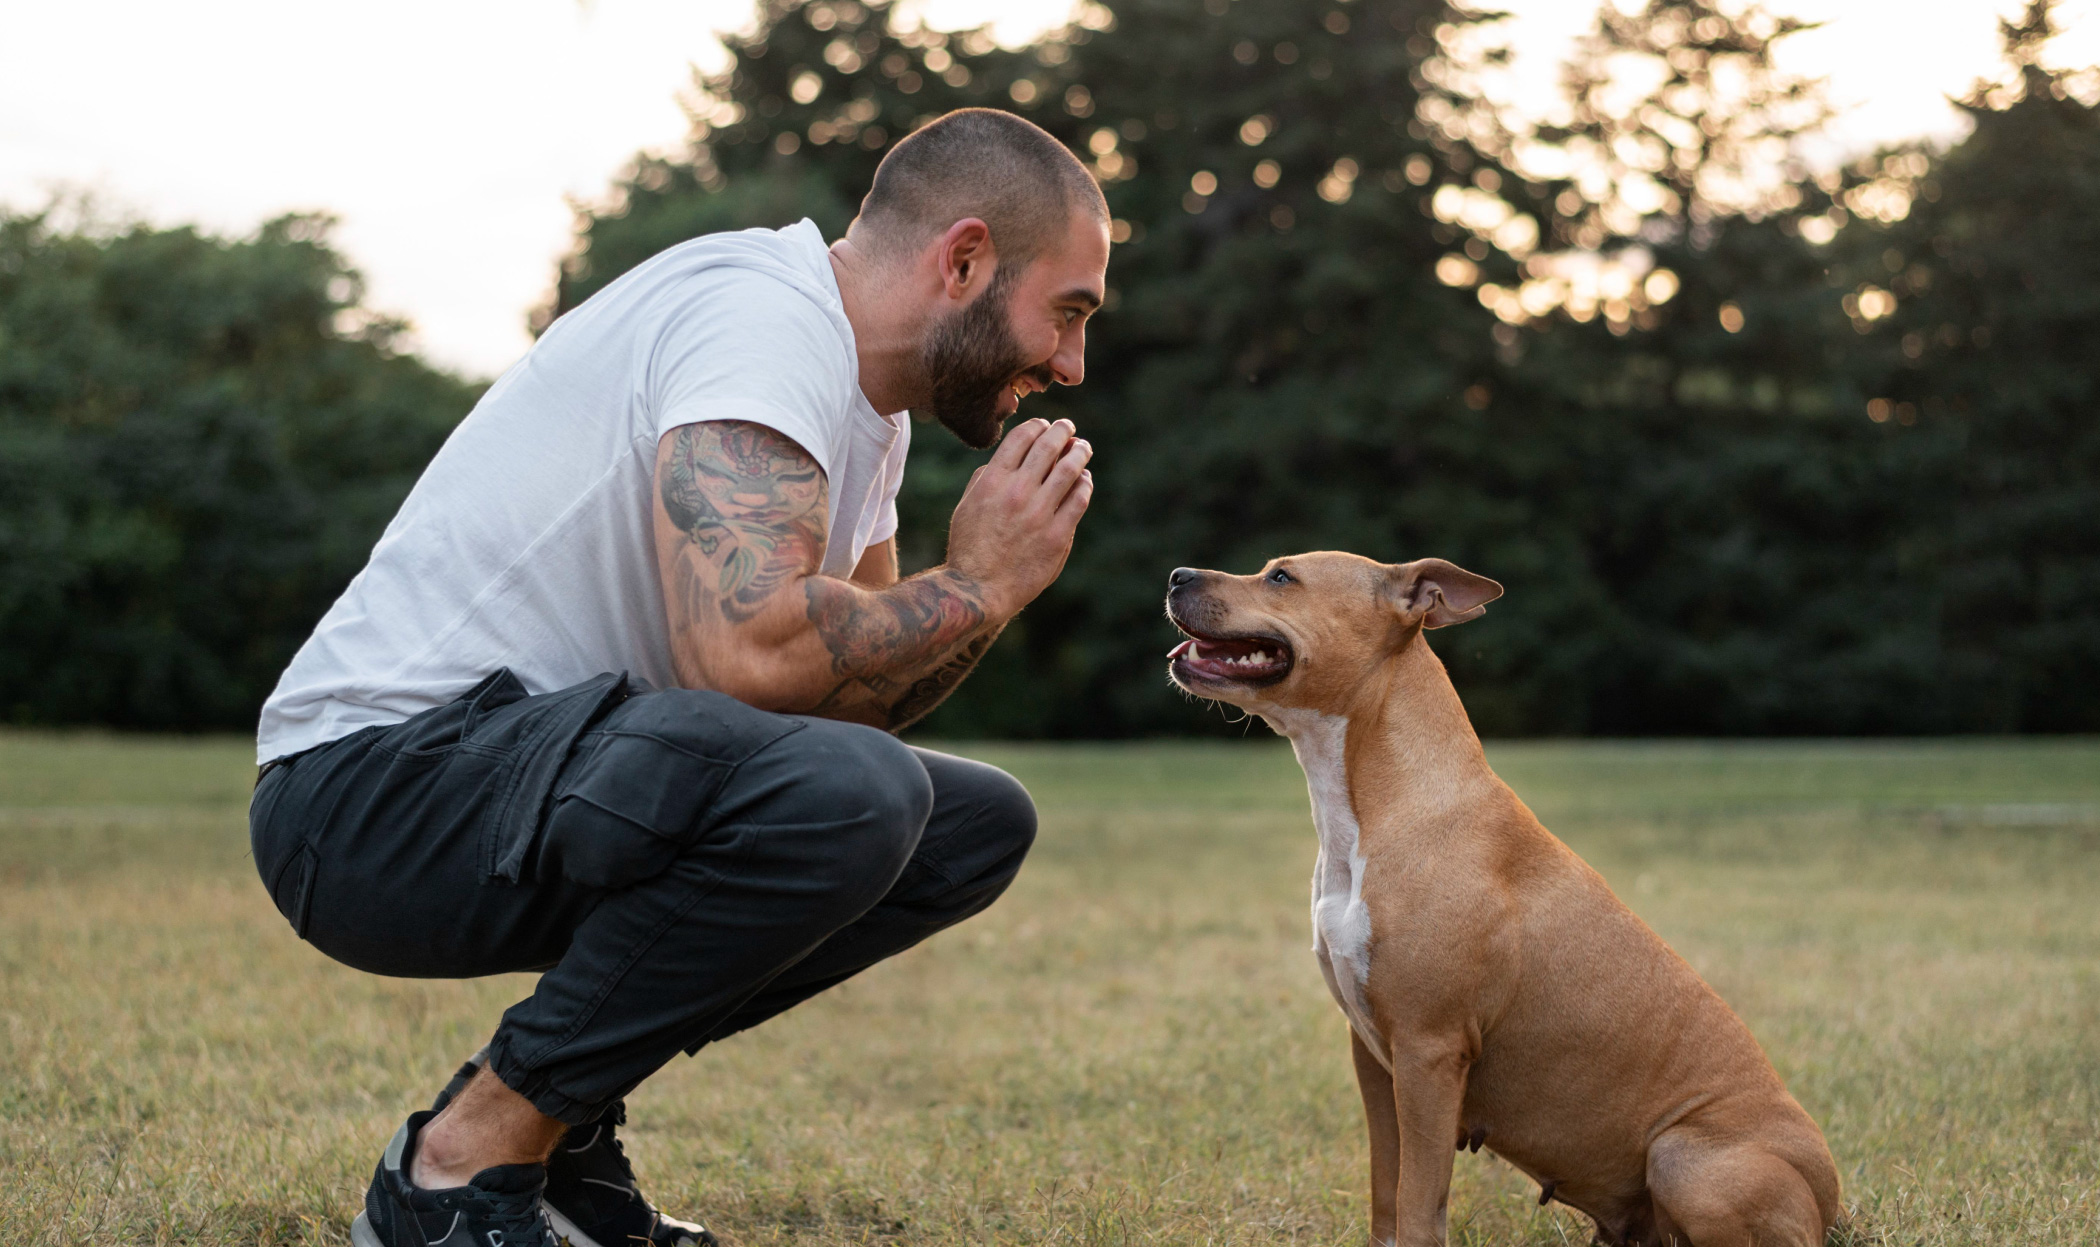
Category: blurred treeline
[199,442]
[1753,451]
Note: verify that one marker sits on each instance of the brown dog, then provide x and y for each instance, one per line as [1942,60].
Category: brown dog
[1497,992]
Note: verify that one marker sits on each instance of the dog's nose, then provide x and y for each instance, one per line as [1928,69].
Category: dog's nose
[1181,576]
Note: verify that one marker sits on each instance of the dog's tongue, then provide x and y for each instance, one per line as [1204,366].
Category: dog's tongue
[1180,649]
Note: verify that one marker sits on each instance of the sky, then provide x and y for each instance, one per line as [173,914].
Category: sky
[450,137]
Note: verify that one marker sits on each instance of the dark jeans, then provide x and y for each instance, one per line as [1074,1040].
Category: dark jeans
[680,865]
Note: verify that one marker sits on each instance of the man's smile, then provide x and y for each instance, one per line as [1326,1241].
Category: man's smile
[1034,380]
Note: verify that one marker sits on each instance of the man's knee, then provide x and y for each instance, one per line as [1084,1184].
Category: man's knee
[868,793]
[862,773]
[1006,819]
[988,817]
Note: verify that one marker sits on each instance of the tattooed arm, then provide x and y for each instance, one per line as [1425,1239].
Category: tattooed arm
[740,530]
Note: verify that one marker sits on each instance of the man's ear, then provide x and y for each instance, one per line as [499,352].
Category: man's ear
[966,258]
[1438,593]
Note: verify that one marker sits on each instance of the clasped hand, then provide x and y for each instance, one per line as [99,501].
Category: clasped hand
[1013,529]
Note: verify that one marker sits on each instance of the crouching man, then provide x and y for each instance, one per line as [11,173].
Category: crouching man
[612,699]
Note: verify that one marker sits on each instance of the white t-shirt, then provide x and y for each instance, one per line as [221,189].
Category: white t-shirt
[528,543]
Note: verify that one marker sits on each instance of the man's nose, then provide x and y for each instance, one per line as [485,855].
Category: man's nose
[1069,363]
[1183,576]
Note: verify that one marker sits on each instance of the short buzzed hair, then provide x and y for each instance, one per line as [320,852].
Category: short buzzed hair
[980,162]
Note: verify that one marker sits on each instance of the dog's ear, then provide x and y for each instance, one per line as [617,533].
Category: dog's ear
[1438,593]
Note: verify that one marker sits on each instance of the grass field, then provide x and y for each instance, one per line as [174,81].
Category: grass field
[1133,1047]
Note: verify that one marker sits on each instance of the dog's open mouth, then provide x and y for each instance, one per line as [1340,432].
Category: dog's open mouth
[1250,659]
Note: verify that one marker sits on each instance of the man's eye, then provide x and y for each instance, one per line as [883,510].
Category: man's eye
[1279,577]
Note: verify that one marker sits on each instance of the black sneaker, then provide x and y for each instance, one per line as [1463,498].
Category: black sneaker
[592,1199]
[499,1208]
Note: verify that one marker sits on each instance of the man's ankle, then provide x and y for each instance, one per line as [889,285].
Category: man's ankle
[486,1124]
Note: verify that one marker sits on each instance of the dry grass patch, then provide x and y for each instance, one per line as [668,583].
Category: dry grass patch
[1133,1047]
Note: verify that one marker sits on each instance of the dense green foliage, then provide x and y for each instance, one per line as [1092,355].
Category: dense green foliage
[1856,515]
[1987,379]
[1701,527]
[199,442]
[1839,474]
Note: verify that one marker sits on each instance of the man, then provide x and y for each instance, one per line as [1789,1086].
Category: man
[690,479]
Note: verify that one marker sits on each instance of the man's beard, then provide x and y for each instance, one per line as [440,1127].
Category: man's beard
[971,359]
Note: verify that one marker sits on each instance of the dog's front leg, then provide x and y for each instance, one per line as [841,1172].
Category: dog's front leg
[1383,1122]
[1429,1091]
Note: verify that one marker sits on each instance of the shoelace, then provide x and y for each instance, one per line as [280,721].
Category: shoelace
[602,1135]
[517,1216]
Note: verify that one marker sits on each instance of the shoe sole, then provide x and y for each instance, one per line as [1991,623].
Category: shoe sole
[361,1233]
[565,1231]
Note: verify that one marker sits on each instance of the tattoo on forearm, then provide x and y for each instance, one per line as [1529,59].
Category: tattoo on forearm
[865,633]
[750,508]
[941,611]
[932,689]
[753,504]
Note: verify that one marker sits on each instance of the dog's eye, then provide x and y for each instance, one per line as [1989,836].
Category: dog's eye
[1279,577]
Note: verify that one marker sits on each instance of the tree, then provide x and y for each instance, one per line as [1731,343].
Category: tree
[1973,283]
[200,439]
[1856,420]
[1677,117]
[1734,507]
[1341,318]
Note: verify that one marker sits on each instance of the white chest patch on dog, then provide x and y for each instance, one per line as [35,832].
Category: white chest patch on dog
[1341,924]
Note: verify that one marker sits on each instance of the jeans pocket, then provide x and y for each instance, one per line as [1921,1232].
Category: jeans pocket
[293,888]
[648,787]
[632,806]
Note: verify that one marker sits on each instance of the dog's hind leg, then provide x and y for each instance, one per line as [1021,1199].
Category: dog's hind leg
[1382,1120]
[1730,1194]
